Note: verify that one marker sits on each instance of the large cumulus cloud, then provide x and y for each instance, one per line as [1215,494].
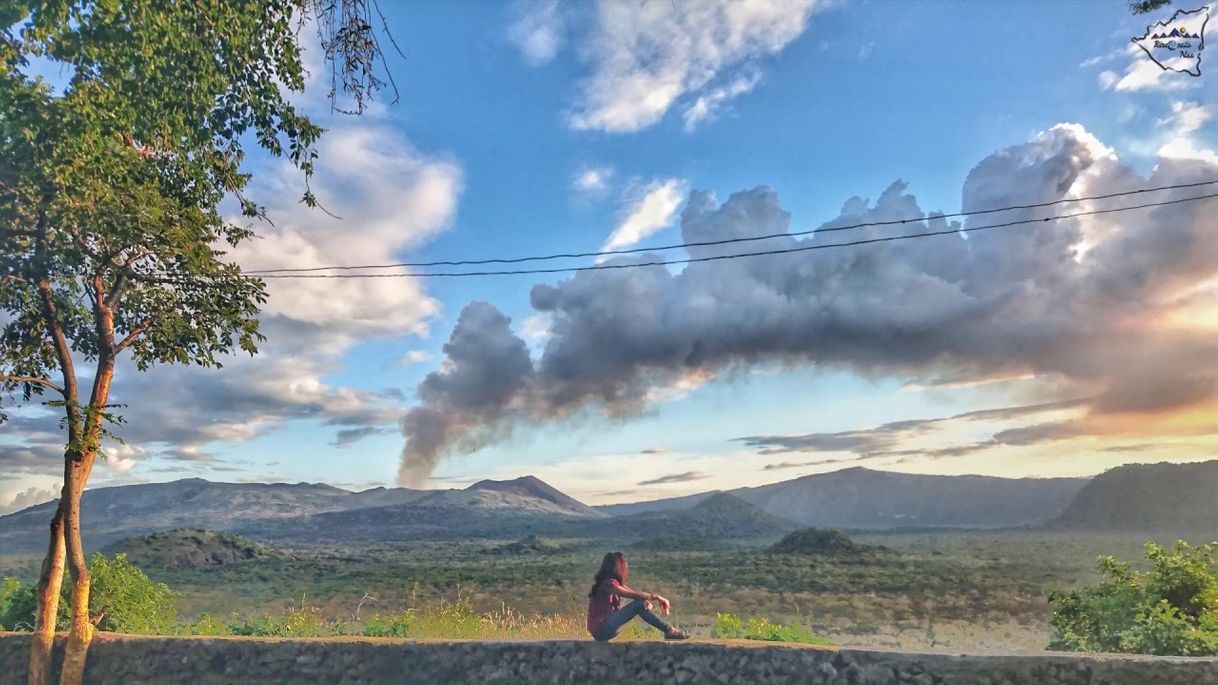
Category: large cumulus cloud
[1079,300]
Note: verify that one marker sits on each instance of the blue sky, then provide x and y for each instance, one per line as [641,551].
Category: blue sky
[519,131]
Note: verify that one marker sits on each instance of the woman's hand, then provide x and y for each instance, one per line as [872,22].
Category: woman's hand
[665,605]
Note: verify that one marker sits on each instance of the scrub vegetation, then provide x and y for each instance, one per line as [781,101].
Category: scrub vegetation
[976,590]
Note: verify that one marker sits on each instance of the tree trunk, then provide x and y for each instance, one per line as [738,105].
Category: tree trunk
[77,466]
[80,633]
[49,581]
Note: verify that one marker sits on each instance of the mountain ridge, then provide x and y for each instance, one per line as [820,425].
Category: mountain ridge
[862,498]
[851,499]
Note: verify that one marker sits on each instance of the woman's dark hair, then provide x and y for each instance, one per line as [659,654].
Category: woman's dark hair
[612,566]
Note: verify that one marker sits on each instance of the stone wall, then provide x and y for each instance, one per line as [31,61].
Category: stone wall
[135,660]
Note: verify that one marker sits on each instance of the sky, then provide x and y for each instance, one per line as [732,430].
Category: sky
[1060,348]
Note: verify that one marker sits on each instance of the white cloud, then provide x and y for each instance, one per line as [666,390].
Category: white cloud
[389,197]
[593,180]
[123,457]
[646,56]
[1143,74]
[1109,56]
[655,209]
[413,357]
[709,103]
[536,327]
[1186,119]
[538,32]
[28,498]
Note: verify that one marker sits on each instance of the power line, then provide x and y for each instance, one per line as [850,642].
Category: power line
[804,248]
[726,241]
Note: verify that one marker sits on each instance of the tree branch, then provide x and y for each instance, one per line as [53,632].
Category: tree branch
[134,334]
[44,382]
[50,315]
[120,281]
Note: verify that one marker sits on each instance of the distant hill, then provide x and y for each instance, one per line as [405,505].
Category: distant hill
[530,488]
[717,517]
[859,498]
[528,491]
[111,514]
[188,548]
[667,504]
[490,509]
[1147,497]
[383,497]
[818,542]
[307,513]
[301,512]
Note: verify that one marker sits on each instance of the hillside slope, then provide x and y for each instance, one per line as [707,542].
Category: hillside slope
[864,499]
[188,548]
[666,504]
[110,514]
[860,498]
[1147,497]
[717,517]
[301,512]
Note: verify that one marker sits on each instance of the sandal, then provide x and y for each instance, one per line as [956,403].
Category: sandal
[676,634]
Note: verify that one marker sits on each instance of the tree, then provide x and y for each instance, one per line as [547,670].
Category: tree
[1146,6]
[112,242]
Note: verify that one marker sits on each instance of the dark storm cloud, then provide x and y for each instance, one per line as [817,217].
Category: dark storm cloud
[1004,302]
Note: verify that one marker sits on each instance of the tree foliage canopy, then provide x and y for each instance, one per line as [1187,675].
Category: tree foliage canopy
[1147,6]
[111,182]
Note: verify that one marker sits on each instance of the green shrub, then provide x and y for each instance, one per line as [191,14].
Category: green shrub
[1172,609]
[18,605]
[14,600]
[122,599]
[733,627]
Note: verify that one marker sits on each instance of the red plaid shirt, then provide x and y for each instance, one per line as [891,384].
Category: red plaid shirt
[602,605]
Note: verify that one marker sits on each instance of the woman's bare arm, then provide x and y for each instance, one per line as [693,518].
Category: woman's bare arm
[624,591]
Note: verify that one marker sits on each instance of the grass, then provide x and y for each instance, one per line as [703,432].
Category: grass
[733,627]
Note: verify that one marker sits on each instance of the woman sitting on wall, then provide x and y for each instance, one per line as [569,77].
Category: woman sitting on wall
[606,615]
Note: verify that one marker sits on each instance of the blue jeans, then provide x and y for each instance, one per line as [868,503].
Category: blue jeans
[622,616]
